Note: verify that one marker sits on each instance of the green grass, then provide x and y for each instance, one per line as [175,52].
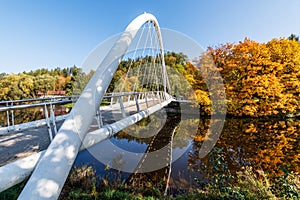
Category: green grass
[82,184]
[13,192]
[247,185]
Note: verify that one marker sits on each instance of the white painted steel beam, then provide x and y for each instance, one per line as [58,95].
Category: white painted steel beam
[53,168]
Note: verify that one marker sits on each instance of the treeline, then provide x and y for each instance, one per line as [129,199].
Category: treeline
[260,79]
[31,84]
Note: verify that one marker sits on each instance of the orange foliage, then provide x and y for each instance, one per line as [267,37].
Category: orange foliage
[261,79]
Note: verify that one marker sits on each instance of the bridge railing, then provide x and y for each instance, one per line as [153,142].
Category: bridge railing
[134,96]
[50,99]
[46,105]
[18,171]
[128,99]
[121,100]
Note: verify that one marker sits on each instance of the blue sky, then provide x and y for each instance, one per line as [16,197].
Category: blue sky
[61,33]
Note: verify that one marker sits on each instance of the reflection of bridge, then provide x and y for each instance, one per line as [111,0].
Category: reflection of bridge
[154,167]
[51,167]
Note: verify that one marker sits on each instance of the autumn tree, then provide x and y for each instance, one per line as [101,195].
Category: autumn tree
[260,78]
[26,86]
[44,83]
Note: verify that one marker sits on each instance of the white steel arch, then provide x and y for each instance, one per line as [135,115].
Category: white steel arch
[52,170]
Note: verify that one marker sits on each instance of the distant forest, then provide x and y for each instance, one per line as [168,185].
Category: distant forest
[30,84]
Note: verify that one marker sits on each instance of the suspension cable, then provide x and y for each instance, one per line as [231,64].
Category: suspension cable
[142,56]
[131,63]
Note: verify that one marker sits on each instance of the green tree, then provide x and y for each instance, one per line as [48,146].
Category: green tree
[294,37]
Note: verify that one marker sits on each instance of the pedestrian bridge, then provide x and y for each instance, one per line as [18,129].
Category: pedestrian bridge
[144,90]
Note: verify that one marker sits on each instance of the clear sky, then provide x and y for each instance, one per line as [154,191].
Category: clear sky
[61,33]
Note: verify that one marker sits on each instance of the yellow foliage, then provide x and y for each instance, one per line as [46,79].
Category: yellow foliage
[260,78]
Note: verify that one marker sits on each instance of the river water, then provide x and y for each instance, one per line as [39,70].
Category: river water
[262,143]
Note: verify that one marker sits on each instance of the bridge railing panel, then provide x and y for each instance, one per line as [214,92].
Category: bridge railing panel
[49,119]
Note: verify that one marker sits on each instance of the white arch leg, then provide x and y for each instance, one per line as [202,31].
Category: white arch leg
[52,170]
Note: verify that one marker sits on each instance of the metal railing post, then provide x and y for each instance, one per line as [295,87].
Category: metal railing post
[146,100]
[164,96]
[48,122]
[111,99]
[153,97]
[12,117]
[122,106]
[52,117]
[137,103]
[7,115]
[158,96]
[99,118]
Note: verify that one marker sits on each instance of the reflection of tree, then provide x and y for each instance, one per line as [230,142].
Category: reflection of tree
[144,130]
[267,144]
[183,132]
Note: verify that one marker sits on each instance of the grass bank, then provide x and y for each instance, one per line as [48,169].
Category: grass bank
[83,184]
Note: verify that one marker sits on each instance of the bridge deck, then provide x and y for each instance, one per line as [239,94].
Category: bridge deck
[22,144]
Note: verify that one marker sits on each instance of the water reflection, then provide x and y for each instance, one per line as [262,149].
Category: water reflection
[264,144]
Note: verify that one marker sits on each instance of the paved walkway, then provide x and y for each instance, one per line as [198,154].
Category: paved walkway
[22,144]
